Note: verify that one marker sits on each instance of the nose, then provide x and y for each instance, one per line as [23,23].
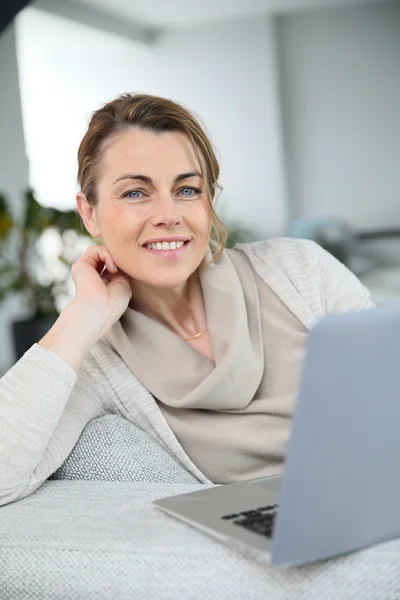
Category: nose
[165,211]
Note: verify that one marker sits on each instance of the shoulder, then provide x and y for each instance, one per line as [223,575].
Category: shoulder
[298,258]
[284,250]
[317,275]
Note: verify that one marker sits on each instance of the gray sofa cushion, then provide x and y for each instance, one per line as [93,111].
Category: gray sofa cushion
[100,540]
[111,448]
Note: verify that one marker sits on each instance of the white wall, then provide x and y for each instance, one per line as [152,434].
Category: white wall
[225,73]
[340,72]
[13,169]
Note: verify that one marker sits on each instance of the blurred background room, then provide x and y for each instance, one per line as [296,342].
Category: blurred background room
[301,99]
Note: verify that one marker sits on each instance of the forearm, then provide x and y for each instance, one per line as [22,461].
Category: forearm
[33,395]
[72,335]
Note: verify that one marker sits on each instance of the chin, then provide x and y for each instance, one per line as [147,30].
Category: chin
[171,283]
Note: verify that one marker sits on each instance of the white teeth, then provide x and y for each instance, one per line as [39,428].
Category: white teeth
[165,245]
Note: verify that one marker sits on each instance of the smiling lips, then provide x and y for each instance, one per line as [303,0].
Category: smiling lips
[167,249]
[174,245]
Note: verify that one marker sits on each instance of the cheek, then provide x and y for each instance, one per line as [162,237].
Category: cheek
[201,216]
[120,224]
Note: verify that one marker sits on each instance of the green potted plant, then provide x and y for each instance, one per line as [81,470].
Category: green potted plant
[23,268]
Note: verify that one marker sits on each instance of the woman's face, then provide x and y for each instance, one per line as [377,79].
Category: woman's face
[150,189]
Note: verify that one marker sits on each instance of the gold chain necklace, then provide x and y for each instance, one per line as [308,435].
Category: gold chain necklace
[195,336]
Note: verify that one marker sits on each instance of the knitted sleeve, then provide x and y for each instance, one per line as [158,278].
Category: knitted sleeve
[44,407]
[340,290]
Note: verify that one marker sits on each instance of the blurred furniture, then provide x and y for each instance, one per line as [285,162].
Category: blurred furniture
[373,256]
[96,536]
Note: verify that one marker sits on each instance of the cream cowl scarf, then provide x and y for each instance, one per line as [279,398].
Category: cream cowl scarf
[232,418]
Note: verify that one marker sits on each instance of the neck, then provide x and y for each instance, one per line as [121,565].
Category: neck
[180,309]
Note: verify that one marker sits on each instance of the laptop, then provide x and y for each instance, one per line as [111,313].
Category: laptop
[340,488]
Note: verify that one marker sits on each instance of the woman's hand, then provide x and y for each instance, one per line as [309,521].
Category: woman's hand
[101,286]
[102,296]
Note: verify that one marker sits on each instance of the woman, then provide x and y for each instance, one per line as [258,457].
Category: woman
[198,345]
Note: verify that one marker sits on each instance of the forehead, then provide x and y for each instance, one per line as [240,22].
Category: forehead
[149,153]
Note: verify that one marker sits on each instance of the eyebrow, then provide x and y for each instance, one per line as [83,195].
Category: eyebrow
[147,179]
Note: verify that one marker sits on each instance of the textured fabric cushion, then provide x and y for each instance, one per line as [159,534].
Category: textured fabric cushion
[111,448]
[99,540]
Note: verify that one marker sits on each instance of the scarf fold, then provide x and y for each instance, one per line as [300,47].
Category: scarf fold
[177,374]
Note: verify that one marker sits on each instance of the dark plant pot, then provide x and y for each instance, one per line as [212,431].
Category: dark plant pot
[29,332]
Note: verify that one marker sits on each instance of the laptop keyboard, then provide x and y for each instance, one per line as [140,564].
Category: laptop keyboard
[260,520]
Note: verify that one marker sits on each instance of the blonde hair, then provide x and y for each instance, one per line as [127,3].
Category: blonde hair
[153,114]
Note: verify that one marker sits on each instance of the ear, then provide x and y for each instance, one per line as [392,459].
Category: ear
[88,214]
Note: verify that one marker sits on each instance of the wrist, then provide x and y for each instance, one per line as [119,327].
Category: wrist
[82,320]
[73,335]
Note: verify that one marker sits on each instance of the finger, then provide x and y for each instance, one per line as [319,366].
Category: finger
[106,277]
[120,287]
[98,257]
[93,259]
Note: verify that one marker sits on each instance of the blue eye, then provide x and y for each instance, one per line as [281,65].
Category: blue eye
[192,192]
[128,194]
[187,192]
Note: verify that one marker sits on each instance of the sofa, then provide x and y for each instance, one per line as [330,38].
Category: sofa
[91,532]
